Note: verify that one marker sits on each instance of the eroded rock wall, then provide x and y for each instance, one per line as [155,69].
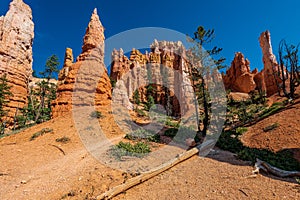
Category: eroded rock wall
[16,39]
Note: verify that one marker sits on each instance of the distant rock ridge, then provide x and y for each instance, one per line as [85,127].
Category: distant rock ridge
[165,64]
[85,82]
[16,39]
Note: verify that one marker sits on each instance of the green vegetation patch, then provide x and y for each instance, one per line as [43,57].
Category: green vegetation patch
[271,127]
[40,133]
[283,159]
[139,150]
[63,139]
[142,134]
[96,114]
[241,130]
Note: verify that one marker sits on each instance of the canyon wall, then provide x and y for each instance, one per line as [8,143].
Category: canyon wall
[16,38]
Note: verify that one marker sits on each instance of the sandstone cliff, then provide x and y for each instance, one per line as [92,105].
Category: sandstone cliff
[85,82]
[16,38]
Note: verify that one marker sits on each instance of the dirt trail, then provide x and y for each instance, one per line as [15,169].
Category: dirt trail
[37,170]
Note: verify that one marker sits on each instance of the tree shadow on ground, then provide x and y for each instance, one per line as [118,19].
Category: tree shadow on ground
[231,150]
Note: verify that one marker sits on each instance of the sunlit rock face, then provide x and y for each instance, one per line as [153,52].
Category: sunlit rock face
[266,76]
[84,82]
[238,77]
[16,39]
[164,68]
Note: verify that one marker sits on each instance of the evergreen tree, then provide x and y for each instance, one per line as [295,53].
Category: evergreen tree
[4,100]
[200,67]
[47,91]
[39,99]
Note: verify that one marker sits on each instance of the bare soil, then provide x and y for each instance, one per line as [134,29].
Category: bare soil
[38,169]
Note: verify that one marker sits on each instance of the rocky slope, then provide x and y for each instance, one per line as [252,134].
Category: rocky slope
[85,82]
[16,38]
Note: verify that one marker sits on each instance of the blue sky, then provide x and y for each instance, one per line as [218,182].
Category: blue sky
[237,23]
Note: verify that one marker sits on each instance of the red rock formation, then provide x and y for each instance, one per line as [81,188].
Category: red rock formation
[16,37]
[85,82]
[165,64]
[238,77]
[266,77]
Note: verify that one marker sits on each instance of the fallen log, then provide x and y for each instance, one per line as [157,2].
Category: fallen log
[147,175]
[266,167]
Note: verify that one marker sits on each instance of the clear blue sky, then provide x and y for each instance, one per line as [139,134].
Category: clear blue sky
[237,23]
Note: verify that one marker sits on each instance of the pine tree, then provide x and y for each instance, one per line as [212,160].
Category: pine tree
[200,68]
[47,90]
[4,100]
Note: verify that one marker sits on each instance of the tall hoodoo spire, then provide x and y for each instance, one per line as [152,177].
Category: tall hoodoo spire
[94,35]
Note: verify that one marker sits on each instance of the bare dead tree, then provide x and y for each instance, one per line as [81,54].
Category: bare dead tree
[288,69]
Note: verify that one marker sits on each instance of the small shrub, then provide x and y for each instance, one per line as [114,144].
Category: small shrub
[172,123]
[142,134]
[40,133]
[139,149]
[269,111]
[283,159]
[96,114]
[171,132]
[271,127]
[184,132]
[140,112]
[63,140]
[241,130]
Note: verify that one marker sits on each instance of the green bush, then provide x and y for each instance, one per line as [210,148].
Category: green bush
[283,160]
[271,127]
[241,130]
[272,110]
[63,139]
[40,133]
[172,123]
[139,149]
[171,132]
[96,114]
[142,134]
[140,112]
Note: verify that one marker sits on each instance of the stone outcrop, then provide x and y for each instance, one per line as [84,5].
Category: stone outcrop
[85,82]
[266,77]
[238,77]
[16,38]
[164,68]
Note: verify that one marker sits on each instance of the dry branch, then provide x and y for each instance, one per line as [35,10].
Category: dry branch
[58,148]
[147,175]
[266,167]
